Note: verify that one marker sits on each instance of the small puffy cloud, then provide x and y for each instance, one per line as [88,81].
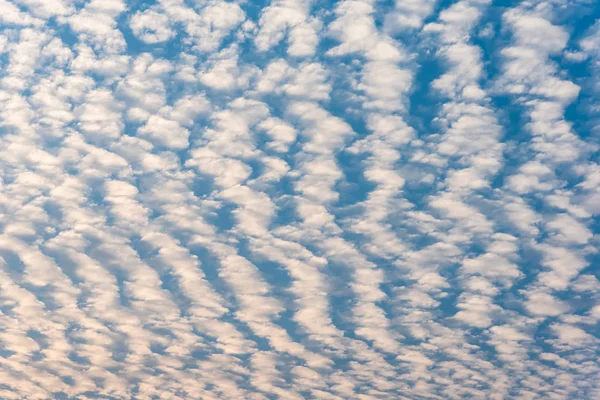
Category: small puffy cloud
[223,71]
[408,14]
[151,27]
[100,115]
[492,266]
[544,305]
[475,310]
[571,335]
[47,9]
[282,134]
[307,81]
[165,132]
[12,15]
[96,23]
[289,17]
[216,21]
[536,32]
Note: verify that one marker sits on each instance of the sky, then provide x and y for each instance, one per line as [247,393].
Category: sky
[299,199]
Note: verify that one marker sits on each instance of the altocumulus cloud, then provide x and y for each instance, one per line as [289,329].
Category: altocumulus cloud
[285,199]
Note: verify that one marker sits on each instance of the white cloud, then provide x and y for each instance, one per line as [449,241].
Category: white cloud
[456,21]
[224,73]
[544,304]
[151,26]
[386,84]
[283,134]
[11,14]
[308,81]
[96,23]
[259,211]
[47,9]
[143,86]
[215,22]
[572,335]
[475,310]
[100,116]
[408,14]
[537,32]
[491,266]
[291,17]
[569,230]
[534,177]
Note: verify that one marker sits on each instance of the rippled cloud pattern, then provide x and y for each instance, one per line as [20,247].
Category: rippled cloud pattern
[299,199]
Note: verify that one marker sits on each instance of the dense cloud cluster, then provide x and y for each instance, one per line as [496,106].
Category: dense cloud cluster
[299,199]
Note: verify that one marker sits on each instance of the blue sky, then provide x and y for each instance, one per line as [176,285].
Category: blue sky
[299,199]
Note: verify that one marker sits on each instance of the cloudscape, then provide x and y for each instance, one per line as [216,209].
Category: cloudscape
[300,199]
